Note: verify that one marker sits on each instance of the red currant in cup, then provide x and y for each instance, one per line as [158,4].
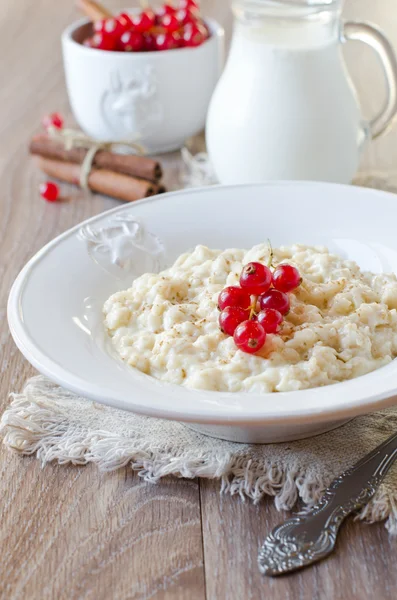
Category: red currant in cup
[98,25]
[131,41]
[143,22]
[112,25]
[104,41]
[276,300]
[190,4]
[230,317]
[149,42]
[249,336]
[286,278]
[167,41]
[125,21]
[270,319]
[234,296]
[170,23]
[49,191]
[194,34]
[53,120]
[256,278]
[166,9]
[186,16]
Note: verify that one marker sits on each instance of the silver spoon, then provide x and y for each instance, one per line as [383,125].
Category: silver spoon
[308,537]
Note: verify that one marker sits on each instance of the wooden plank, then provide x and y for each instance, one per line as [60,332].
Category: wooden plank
[362,567]
[69,532]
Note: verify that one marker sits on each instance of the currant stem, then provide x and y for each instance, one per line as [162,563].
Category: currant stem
[271,254]
[253,307]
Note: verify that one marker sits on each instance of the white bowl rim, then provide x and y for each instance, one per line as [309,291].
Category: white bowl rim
[217,31]
[364,402]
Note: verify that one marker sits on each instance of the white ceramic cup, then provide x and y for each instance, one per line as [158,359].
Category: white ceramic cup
[160,98]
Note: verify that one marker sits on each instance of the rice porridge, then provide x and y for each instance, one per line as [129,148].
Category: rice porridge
[342,323]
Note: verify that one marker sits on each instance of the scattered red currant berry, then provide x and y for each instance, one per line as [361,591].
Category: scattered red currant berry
[286,278]
[194,35]
[170,23]
[275,299]
[270,319]
[230,317]
[249,336]
[49,191]
[256,278]
[131,41]
[234,296]
[167,41]
[104,41]
[143,22]
[53,120]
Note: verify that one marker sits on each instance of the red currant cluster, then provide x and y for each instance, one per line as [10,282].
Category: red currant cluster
[164,29]
[257,307]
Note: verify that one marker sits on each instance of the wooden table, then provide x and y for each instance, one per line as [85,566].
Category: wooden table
[73,533]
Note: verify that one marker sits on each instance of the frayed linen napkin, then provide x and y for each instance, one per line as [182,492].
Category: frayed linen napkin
[56,425]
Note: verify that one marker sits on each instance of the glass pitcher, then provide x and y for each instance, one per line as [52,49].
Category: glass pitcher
[285,107]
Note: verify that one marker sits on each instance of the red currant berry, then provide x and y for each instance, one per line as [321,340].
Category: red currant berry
[131,41]
[275,299]
[270,319]
[143,22]
[234,296]
[170,23]
[230,318]
[249,336]
[125,21]
[104,41]
[49,191]
[53,120]
[286,278]
[113,26]
[167,41]
[149,42]
[166,9]
[98,25]
[194,35]
[186,16]
[256,278]
[190,4]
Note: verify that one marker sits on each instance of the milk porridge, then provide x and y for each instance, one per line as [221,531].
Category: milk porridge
[342,323]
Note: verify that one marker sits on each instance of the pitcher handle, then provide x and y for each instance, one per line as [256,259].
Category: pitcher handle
[363,32]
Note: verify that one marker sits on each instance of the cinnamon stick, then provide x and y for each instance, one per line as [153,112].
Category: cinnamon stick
[93,10]
[102,181]
[129,164]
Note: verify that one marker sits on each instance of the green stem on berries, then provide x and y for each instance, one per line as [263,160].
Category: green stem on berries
[253,308]
[271,254]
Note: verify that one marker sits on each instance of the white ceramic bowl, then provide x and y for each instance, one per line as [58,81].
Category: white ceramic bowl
[163,96]
[55,305]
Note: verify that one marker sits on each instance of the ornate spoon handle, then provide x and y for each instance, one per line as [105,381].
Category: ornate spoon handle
[309,537]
